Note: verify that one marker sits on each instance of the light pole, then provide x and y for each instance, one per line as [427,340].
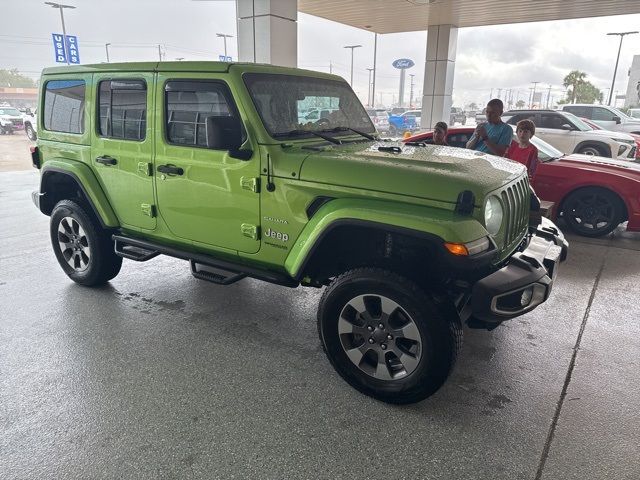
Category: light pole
[224,37]
[352,47]
[411,91]
[106,48]
[369,88]
[64,30]
[533,94]
[621,34]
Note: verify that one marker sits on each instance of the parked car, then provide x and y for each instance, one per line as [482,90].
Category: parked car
[569,134]
[607,117]
[380,119]
[417,114]
[397,110]
[635,137]
[31,124]
[481,116]
[399,124]
[319,116]
[140,159]
[457,115]
[10,120]
[592,194]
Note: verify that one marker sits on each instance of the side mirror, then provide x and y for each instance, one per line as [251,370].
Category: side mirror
[566,126]
[617,120]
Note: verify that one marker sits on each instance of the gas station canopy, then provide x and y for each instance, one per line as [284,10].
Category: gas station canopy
[393,16]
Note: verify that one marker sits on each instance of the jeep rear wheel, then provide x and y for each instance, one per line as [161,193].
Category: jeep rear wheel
[83,249]
[386,337]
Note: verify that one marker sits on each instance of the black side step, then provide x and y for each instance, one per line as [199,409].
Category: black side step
[145,250]
[133,252]
[208,273]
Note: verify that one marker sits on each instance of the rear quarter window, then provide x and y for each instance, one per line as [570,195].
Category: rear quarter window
[64,106]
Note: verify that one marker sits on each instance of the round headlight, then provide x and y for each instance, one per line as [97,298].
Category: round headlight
[492,214]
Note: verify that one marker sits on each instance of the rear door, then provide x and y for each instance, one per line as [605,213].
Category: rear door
[122,145]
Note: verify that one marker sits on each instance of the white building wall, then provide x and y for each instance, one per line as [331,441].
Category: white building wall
[633,87]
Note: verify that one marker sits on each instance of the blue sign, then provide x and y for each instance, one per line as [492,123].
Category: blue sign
[66,50]
[222,58]
[403,63]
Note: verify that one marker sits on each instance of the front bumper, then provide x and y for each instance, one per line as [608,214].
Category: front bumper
[525,282]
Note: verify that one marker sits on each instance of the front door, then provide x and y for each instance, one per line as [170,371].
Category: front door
[549,128]
[122,145]
[204,195]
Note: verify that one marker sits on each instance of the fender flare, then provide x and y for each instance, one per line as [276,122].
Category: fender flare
[429,223]
[83,176]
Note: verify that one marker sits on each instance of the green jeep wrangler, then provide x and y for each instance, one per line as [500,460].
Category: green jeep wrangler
[209,162]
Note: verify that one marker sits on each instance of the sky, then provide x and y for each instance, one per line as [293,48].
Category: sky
[505,57]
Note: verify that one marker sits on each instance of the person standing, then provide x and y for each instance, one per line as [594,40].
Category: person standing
[523,151]
[492,136]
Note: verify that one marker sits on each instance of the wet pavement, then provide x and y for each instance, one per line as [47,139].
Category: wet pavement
[160,375]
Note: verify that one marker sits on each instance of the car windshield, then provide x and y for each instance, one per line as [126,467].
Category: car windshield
[583,127]
[545,151]
[291,105]
[9,111]
[621,114]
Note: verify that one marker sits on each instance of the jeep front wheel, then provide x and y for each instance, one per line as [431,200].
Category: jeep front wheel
[83,249]
[386,337]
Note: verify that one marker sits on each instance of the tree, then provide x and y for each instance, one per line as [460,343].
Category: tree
[520,104]
[573,81]
[472,106]
[13,78]
[588,93]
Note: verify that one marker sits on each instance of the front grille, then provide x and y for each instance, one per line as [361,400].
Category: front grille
[632,153]
[515,202]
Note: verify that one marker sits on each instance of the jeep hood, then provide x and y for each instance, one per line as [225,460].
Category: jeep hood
[430,172]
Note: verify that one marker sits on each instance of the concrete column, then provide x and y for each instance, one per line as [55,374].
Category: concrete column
[268,31]
[442,42]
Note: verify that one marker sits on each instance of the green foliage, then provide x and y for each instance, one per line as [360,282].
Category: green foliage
[13,78]
[588,93]
[520,104]
[573,82]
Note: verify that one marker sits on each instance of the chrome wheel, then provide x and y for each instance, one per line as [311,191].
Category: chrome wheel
[379,337]
[74,244]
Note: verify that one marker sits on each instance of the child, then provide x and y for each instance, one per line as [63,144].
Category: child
[440,134]
[523,150]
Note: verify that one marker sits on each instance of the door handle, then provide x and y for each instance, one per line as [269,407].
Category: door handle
[106,160]
[170,169]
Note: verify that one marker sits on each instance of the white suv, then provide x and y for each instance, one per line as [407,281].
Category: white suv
[607,117]
[31,125]
[569,134]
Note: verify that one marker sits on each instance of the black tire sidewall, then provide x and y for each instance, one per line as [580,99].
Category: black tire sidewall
[31,133]
[102,266]
[576,228]
[438,343]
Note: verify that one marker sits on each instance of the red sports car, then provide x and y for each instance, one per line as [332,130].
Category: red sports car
[592,194]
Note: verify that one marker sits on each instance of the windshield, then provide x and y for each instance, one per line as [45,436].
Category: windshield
[545,151]
[583,127]
[288,104]
[9,111]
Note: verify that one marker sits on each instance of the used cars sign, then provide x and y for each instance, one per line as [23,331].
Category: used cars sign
[403,63]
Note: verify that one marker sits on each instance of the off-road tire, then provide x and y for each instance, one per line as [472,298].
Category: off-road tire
[585,205]
[440,337]
[102,264]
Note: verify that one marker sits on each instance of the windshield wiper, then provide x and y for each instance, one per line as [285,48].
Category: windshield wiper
[305,132]
[346,129]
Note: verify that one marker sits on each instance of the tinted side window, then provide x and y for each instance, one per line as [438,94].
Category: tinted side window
[187,106]
[123,109]
[64,106]
[600,113]
[584,112]
[551,120]
[458,139]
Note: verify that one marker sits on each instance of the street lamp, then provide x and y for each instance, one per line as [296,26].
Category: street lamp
[369,87]
[615,70]
[224,37]
[352,47]
[64,30]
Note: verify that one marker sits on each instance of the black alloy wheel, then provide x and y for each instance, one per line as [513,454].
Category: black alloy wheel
[386,337]
[592,211]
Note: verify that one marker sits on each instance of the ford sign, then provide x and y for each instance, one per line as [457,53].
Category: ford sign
[403,63]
